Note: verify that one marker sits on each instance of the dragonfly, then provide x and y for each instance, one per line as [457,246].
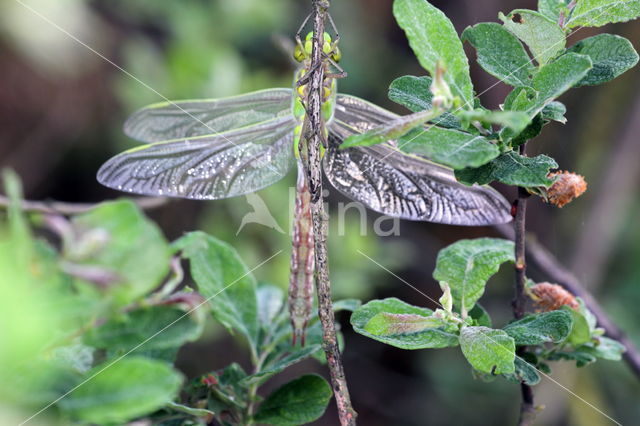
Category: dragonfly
[219,148]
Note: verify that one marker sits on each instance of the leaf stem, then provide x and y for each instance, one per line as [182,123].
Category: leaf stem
[313,134]
[527,408]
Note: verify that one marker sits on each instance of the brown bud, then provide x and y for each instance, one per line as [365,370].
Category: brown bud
[566,187]
[550,297]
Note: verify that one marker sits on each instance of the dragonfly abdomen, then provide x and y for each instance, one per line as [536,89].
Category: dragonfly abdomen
[302,260]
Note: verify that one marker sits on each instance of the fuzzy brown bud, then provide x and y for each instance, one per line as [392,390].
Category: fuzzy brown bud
[566,188]
[550,297]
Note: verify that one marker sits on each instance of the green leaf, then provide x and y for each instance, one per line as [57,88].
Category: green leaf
[552,8]
[580,332]
[554,326]
[123,390]
[544,37]
[605,348]
[415,94]
[270,303]
[135,250]
[346,305]
[300,401]
[434,39]
[488,350]
[467,265]
[146,331]
[524,372]
[596,13]
[580,356]
[224,280]
[480,315]
[390,324]
[295,357]
[405,339]
[550,82]
[556,78]
[393,129]
[512,169]
[611,55]
[230,388]
[530,132]
[500,53]
[196,412]
[554,111]
[450,147]
[517,121]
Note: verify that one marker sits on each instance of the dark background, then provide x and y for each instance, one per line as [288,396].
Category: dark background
[61,111]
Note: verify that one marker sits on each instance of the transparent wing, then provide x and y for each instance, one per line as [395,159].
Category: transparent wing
[225,165]
[401,185]
[183,119]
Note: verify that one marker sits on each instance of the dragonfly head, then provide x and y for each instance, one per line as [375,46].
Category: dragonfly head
[330,48]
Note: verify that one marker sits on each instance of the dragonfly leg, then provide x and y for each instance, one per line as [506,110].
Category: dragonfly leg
[335,30]
[305,78]
[304,24]
[341,72]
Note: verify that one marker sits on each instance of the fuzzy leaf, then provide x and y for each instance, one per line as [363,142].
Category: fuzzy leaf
[299,354]
[500,53]
[524,372]
[605,348]
[552,8]
[596,13]
[550,82]
[346,305]
[480,315]
[512,169]
[300,401]
[453,148]
[388,324]
[516,121]
[270,303]
[393,129]
[434,39]
[224,280]
[580,332]
[544,37]
[415,94]
[146,331]
[556,78]
[530,132]
[488,350]
[467,265]
[554,111]
[122,391]
[611,55]
[554,326]
[135,249]
[408,338]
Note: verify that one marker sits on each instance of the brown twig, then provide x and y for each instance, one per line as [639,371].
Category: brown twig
[313,136]
[550,266]
[527,408]
[68,209]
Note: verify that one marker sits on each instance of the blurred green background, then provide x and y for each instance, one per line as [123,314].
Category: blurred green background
[61,112]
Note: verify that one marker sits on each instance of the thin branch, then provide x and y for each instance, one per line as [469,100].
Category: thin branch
[314,133]
[527,408]
[68,209]
[557,273]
